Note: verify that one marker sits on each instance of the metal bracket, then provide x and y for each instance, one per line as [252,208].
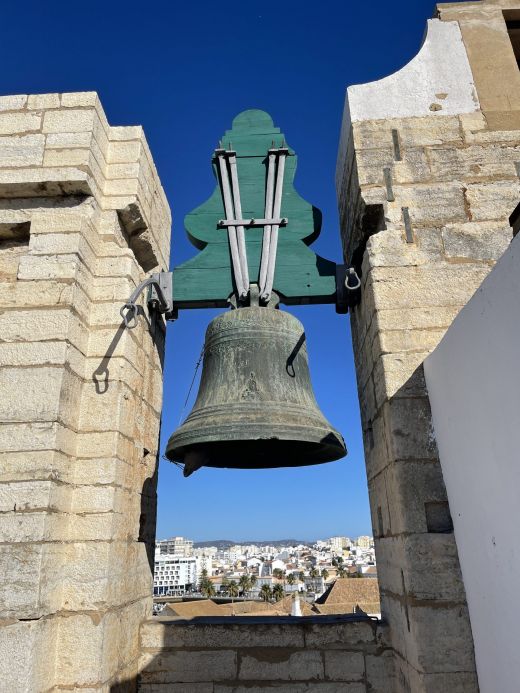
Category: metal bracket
[160,298]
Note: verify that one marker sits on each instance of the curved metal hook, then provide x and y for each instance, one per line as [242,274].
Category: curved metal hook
[352,275]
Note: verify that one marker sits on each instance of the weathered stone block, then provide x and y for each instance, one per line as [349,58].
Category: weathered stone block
[473,163]
[280,665]
[406,341]
[66,157]
[424,287]
[339,636]
[12,103]
[476,241]
[413,132]
[431,204]
[417,317]
[454,682]
[344,666]
[189,665]
[41,101]
[49,393]
[380,672]
[87,646]
[313,687]
[124,152]
[399,375]
[388,248]
[409,429]
[430,564]
[158,633]
[68,140]
[34,643]
[69,121]
[21,151]
[449,629]
[19,123]
[184,687]
[24,496]
[77,99]
[377,454]
[492,200]
[411,485]
[31,466]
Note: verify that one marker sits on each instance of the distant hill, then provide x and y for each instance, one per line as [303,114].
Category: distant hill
[226,543]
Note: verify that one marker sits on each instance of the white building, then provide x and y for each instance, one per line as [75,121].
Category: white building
[337,544]
[174,575]
[175,545]
[365,542]
[203,563]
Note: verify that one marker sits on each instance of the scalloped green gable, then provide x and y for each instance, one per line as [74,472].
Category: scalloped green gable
[301,275]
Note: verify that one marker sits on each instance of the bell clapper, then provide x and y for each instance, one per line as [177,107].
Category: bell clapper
[194,460]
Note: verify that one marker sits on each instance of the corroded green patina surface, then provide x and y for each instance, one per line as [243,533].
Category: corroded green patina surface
[301,276]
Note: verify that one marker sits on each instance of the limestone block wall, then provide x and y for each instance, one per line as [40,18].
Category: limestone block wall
[424,195]
[241,655]
[83,218]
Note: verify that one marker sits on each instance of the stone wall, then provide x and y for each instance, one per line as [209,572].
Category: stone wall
[424,200]
[247,655]
[82,218]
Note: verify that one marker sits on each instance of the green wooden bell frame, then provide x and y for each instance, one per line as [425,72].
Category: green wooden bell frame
[300,275]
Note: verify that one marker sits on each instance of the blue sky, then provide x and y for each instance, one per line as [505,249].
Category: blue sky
[183,71]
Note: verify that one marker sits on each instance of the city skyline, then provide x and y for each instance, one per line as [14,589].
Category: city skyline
[250,540]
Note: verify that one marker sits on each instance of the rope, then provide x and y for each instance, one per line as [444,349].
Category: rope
[191,385]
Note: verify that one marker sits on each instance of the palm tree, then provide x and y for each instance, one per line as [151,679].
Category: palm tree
[252,580]
[291,579]
[324,573]
[342,572]
[278,592]
[233,589]
[278,573]
[314,573]
[245,583]
[207,588]
[203,576]
[266,593]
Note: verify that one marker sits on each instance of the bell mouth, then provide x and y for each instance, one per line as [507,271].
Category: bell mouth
[264,453]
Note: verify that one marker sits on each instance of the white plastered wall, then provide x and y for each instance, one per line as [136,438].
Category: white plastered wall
[437,81]
[473,379]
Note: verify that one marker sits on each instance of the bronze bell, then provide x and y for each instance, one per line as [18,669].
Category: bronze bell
[255,407]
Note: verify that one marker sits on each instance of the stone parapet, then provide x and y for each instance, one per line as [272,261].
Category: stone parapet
[54,145]
[424,195]
[239,654]
[83,218]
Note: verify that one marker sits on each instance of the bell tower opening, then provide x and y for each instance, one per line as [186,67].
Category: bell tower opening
[268,530]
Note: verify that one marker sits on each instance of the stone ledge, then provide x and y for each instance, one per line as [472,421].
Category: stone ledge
[352,632]
[250,653]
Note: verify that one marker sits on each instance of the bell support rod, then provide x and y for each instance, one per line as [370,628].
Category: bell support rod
[268,213]
[266,286]
[236,248]
[242,253]
[252,222]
